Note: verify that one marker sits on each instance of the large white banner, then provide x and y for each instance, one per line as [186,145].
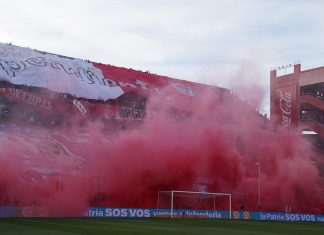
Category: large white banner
[24,66]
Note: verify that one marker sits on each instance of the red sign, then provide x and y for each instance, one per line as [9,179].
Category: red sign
[286,106]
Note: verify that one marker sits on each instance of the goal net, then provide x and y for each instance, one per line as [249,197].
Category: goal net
[185,204]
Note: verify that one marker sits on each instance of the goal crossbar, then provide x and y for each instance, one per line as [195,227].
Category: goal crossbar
[172,192]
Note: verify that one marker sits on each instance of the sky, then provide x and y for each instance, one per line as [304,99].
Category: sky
[227,43]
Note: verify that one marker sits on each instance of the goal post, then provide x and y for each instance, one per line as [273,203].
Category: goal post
[172,200]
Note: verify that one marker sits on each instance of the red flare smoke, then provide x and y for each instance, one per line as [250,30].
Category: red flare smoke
[214,147]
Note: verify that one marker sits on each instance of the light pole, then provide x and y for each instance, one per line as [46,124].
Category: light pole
[258,163]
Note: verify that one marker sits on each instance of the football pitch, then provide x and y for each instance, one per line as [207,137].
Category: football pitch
[94,226]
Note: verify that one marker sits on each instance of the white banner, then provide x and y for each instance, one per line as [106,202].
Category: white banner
[24,66]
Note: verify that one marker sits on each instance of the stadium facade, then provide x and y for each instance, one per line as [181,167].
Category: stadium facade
[297,102]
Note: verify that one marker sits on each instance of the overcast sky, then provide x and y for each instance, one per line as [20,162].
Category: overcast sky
[229,43]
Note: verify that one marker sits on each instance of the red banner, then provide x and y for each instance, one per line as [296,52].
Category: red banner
[132,80]
[35,100]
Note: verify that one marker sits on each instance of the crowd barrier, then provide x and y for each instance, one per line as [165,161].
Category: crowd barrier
[177,213]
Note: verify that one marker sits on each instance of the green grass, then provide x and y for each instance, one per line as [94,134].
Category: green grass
[94,226]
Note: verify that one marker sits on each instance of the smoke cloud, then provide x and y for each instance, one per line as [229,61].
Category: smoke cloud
[212,143]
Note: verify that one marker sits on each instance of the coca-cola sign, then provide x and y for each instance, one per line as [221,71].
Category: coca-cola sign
[285,107]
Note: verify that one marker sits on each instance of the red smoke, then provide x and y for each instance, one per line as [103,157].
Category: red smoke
[212,145]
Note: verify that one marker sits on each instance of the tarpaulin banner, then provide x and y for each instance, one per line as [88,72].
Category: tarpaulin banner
[208,214]
[132,80]
[32,212]
[136,212]
[83,82]
[10,211]
[288,217]
[24,66]
[34,100]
